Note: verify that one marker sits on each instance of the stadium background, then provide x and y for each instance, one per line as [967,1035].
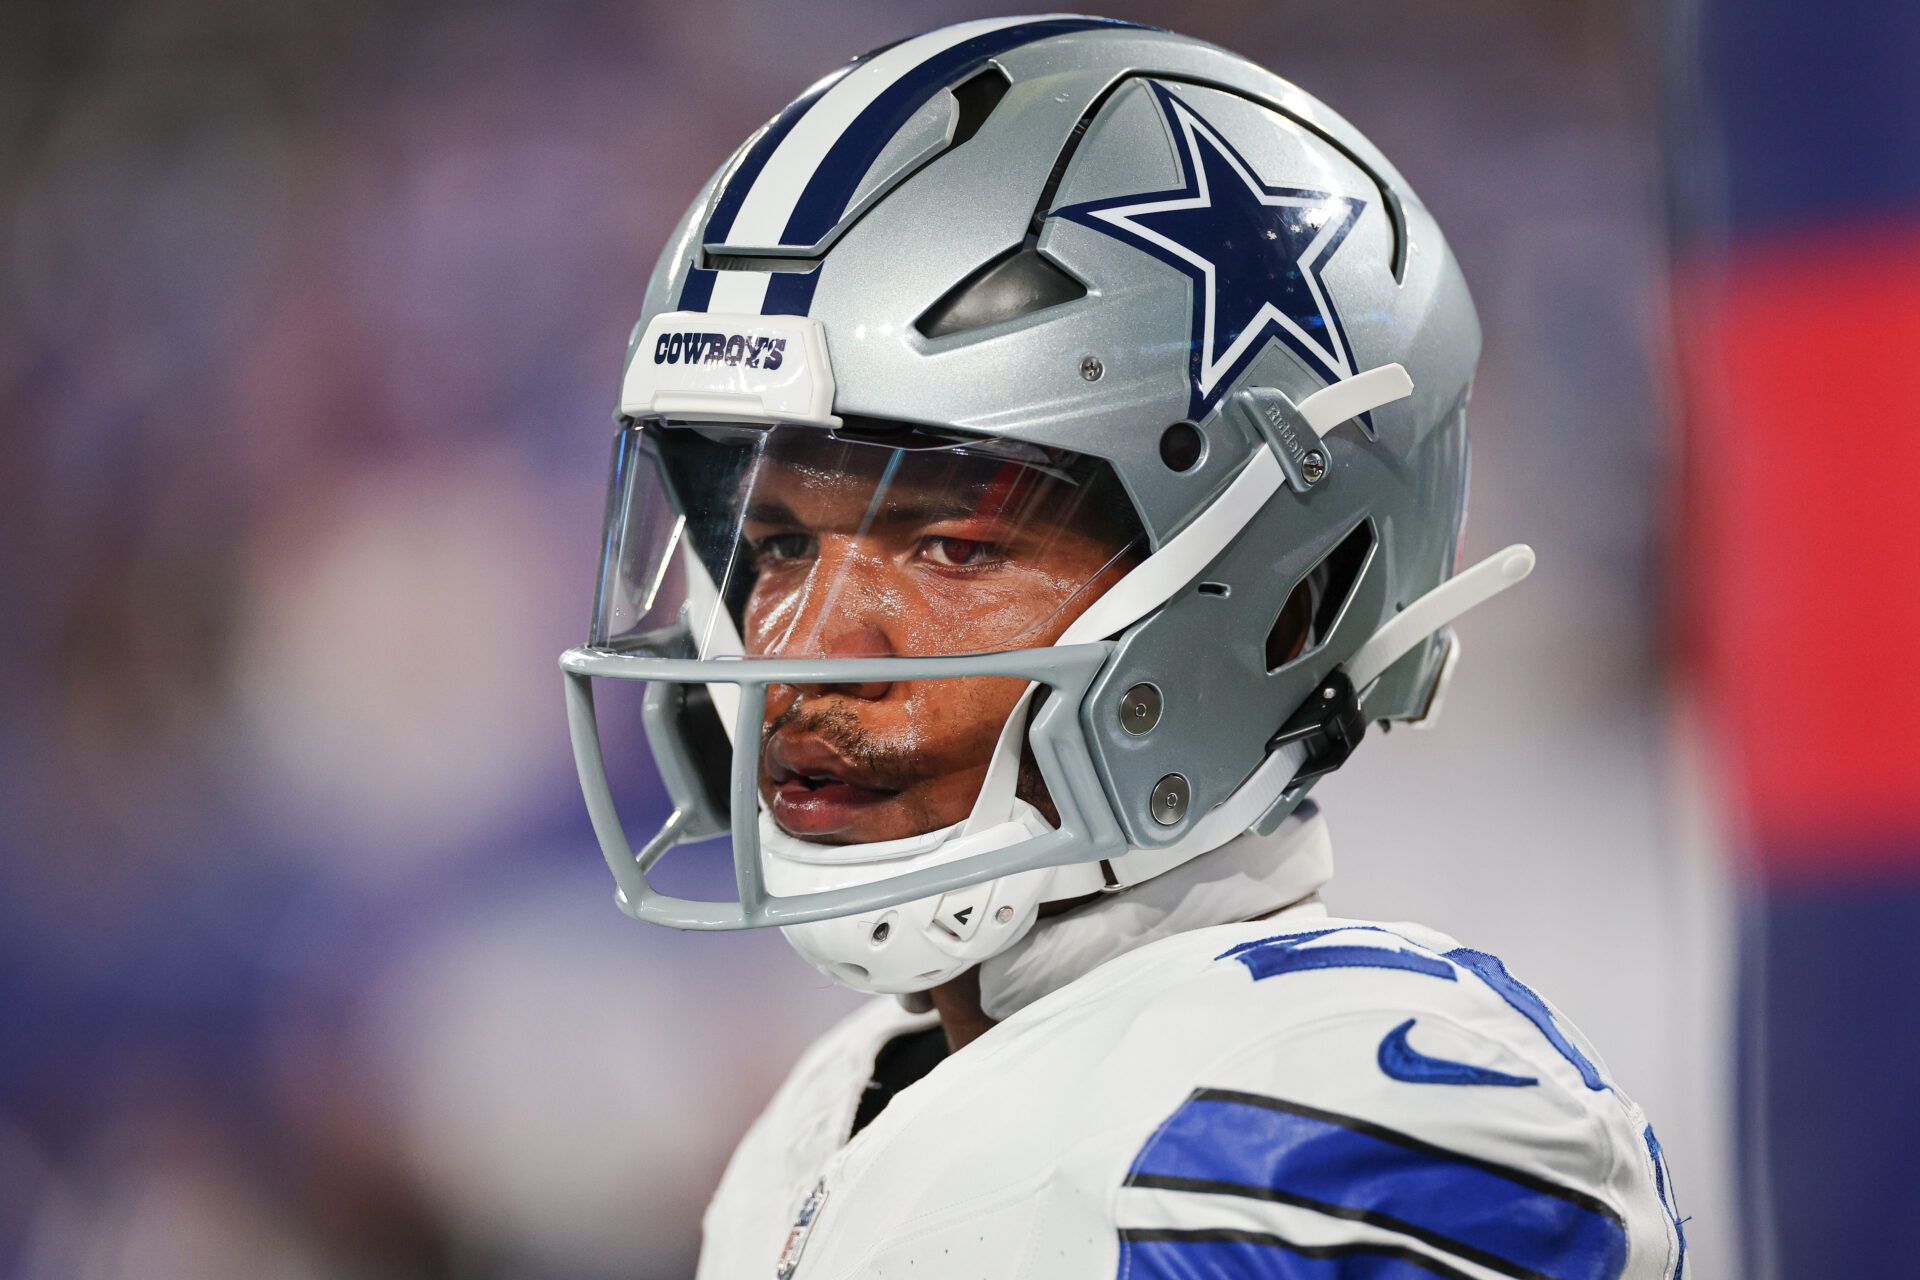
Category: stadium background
[310,317]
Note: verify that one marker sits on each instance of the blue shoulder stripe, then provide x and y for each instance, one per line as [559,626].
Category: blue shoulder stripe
[1226,1254]
[1514,1222]
[1286,953]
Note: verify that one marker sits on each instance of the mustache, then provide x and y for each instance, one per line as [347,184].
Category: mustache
[892,766]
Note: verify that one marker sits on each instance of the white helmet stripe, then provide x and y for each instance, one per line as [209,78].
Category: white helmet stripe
[739,292]
[762,220]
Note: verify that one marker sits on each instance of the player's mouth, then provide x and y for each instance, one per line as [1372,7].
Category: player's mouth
[815,790]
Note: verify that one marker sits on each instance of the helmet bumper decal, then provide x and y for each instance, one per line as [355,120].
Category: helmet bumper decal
[730,368]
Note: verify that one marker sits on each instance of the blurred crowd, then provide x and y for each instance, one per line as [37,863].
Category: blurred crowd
[310,319]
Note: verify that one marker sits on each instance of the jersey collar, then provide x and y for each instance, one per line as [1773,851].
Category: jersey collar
[1247,877]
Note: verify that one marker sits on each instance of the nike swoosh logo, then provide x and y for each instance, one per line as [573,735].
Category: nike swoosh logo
[1401,1061]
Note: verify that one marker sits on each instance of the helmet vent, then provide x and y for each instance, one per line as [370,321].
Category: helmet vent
[1017,283]
[746,262]
[977,98]
[1313,608]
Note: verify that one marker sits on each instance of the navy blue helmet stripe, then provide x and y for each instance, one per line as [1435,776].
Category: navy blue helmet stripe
[828,190]
[790,293]
[697,292]
[1264,1148]
[1231,1254]
[831,188]
[733,193]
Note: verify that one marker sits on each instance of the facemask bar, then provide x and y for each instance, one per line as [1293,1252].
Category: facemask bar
[1298,756]
[1085,833]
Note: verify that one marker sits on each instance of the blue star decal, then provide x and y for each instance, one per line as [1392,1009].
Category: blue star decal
[1253,252]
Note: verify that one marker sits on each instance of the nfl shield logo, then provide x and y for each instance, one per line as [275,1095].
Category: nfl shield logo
[802,1226]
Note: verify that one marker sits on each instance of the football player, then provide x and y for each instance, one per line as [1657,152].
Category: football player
[1041,457]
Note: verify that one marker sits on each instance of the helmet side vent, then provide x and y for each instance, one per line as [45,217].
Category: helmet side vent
[1017,283]
[977,97]
[881,154]
[1314,606]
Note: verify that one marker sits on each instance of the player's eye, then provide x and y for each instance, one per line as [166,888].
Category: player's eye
[958,552]
[782,548]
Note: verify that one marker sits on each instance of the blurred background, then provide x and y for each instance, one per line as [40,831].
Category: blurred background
[311,316]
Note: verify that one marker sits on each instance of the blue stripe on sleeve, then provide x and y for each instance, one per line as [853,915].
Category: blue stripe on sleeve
[1531,1006]
[1668,1201]
[1265,1148]
[1251,1255]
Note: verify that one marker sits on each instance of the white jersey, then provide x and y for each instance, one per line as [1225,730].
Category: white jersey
[1297,1097]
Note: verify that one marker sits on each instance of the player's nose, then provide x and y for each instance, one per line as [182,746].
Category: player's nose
[841,615]
[852,640]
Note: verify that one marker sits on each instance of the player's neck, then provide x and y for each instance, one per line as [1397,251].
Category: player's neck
[958,1004]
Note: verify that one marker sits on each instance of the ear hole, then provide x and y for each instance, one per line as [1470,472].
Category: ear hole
[1313,608]
[1182,446]
[1293,629]
[1342,566]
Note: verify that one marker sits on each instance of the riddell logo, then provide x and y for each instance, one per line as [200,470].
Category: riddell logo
[719,348]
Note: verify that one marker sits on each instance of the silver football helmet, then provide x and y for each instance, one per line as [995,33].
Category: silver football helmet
[1055,375]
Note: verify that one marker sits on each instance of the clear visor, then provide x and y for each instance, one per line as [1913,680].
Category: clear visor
[799,542]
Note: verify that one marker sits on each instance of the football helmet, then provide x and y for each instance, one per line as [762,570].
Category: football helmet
[1167,338]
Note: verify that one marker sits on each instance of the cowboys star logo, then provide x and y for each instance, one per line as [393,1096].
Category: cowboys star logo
[1254,252]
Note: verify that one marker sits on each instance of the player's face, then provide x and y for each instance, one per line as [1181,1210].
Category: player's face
[938,555]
